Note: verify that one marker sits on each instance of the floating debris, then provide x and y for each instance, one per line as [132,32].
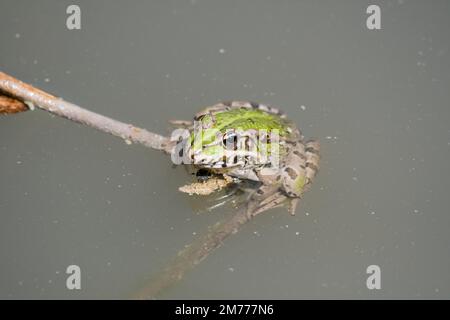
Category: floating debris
[207,187]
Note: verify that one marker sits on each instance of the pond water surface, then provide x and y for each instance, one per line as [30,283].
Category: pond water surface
[378,100]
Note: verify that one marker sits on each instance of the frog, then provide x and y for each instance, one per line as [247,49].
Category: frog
[282,177]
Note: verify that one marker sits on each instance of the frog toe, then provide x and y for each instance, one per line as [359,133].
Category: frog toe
[293,206]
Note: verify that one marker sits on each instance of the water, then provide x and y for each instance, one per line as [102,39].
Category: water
[377,100]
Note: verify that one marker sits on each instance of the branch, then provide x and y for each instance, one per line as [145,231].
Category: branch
[33,97]
[193,254]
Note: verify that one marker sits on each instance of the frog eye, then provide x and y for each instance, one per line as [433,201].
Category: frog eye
[230,140]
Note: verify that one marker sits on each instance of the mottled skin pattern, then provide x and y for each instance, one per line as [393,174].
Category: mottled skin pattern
[299,160]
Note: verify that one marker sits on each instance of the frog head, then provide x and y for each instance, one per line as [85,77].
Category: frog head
[237,138]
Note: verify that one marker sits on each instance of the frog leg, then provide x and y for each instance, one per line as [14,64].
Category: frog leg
[275,200]
[253,105]
[265,198]
[312,154]
[211,111]
[293,203]
[181,123]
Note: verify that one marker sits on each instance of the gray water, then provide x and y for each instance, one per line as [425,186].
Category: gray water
[377,99]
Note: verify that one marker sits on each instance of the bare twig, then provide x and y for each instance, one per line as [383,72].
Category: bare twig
[40,99]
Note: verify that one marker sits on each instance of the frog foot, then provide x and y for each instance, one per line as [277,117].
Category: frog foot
[265,198]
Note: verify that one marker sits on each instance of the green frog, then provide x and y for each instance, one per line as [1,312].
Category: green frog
[242,140]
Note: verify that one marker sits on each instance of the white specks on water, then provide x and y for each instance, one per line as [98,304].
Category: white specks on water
[47,80]
[302,107]
[19,162]
[307,213]
[128,141]
[355,179]
[17,35]
[194,233]
[222,50]
[297,233]
[231,269]
[372,212]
